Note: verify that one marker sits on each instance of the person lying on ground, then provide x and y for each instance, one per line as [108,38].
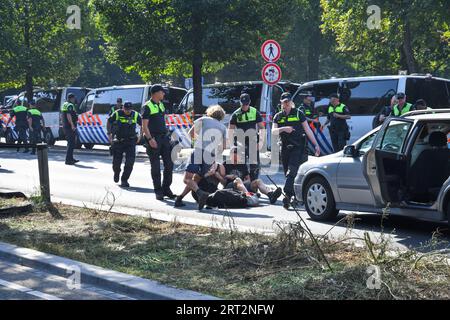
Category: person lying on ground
[237,176]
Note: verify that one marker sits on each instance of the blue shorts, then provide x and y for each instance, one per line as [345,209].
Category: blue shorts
[197,168]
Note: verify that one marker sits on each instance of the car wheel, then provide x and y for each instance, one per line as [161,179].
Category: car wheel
[48,137]
[89,146]
[319,200]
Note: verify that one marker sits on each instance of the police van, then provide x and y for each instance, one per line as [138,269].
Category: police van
[49,102]
[367,96]
[96,106]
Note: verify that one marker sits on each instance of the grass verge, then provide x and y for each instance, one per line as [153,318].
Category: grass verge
[229,264]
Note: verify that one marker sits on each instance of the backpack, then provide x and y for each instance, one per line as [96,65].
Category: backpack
[227,198]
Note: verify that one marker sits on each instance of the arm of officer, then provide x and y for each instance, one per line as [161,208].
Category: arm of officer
[43,122]
[345,116]
[276,130]
[145,120]
[311,137]
[108,129]
[30,121]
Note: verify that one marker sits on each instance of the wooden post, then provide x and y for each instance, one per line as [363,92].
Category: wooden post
[44,179]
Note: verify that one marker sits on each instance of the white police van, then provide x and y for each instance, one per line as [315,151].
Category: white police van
[367,96]
[95,109]
[49,102]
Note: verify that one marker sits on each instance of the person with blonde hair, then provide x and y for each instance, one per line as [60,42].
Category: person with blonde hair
[209,135]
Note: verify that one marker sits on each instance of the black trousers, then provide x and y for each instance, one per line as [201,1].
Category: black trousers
[119,149]
[163,151]
[338,139]
[70,137]
[22,135]
[35,137]
[291,157]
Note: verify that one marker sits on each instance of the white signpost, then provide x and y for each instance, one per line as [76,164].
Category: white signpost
[271,75]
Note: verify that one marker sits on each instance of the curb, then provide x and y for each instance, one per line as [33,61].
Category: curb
[92,275]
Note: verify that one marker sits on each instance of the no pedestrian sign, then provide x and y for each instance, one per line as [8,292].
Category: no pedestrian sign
[271,51]
[271,74]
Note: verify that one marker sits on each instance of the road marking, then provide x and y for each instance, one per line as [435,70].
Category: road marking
[29,291]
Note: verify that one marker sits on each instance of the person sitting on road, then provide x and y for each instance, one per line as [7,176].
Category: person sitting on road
[237,176]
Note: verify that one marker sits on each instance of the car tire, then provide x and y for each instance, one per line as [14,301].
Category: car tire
[48,137]
[89,146]
[319,200]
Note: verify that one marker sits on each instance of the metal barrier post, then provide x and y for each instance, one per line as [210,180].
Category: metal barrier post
[44,179]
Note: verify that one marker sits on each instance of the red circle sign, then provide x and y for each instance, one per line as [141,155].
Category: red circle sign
[271,51]
[271,74]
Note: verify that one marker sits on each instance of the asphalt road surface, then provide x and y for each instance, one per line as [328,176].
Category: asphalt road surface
[91,183]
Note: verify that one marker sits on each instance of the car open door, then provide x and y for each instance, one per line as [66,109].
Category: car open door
[385,165]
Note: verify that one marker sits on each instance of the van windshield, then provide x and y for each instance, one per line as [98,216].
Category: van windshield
[106,99]
[228,97]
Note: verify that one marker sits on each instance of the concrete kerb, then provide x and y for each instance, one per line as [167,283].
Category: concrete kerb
[92,275]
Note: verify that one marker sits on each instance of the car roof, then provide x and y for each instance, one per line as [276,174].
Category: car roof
[433,116]
[242,83]
[396,77]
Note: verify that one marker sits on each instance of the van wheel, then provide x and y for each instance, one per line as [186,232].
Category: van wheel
[89,146]
[48,137]
[319,200]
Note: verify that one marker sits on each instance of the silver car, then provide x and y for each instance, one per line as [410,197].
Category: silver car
[403,165]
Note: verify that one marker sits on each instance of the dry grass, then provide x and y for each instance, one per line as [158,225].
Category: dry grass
[228,264]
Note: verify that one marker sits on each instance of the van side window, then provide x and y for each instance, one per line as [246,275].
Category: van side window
[433,91]
[368,97]
[46,101]
[87,103]
[134,95]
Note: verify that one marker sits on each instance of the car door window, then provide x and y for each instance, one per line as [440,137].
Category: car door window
[367,143]
[86,105]
[394,137]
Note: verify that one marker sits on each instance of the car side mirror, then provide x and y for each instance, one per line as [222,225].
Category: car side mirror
[350,151]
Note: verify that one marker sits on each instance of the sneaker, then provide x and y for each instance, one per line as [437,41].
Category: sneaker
[125,184]
[286,203]
[169,194]
[202,198]
[274,195]
[70,163]
[116,177]
[179,203]
[76,161]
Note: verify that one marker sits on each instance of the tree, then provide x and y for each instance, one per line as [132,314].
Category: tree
[411,35]
[159,37]
[36,45]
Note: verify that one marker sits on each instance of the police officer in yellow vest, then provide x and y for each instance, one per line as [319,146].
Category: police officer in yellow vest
[291,126]
[338,114]
[158,142]
[70,120]
[36,124]
[121,129]
[248,121]
[402,107]
[20,112]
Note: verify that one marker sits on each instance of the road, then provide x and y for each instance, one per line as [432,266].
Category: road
[91,183]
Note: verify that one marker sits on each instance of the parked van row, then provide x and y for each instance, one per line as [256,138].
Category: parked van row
[364,96]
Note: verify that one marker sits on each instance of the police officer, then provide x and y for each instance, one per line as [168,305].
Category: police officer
[338,114]
[291,125]
[158,142]
[307,107]
[247,118]
[402,107]
[116,107]
[21,124]
[35,124]
[69,120]
[121,129]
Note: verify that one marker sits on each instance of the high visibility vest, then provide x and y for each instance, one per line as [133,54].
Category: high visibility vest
[126,120]
[35,112]
[338,109]
[66,105]
[289,119]
[20,109]
[405,109]
[249,116]
[154,108]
